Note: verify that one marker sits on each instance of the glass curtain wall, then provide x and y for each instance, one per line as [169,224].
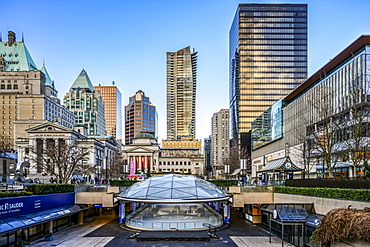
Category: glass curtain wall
[268,59]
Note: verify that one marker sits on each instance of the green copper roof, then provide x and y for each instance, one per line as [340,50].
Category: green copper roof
[48,80]
[83,82]
[17,57]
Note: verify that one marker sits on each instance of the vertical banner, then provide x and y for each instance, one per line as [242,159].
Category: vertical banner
[122,213]
[132,167]
[226,213]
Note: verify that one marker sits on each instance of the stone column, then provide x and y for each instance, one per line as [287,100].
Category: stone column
[140,164]
[80,218]
[48,226]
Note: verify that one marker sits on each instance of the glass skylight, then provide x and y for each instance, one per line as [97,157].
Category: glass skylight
[174,187]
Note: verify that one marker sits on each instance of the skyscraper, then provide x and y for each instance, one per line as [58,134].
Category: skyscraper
[112,110]
[87,105]
[181,93]
[267,60]
[220,143]
[140,115]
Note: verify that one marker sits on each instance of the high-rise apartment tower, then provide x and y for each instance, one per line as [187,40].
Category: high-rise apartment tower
[220,142]
[181,93]
[112,98]
[267,60]
[140,116]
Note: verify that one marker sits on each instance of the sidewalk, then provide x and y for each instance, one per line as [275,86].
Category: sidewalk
[75,235]
[105,231]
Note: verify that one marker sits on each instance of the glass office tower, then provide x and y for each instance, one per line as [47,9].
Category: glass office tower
[140,116]
[268,59]
[181,93]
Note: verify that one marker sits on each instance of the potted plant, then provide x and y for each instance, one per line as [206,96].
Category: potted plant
[48,236]
[24,243]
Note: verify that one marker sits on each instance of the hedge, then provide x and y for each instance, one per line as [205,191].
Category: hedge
[224,182]
[122,183]
[15,194]
[337,193]
[41,189]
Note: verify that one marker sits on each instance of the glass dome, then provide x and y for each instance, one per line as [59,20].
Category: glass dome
[173,188]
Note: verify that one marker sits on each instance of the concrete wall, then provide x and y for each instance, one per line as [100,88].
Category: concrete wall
[321,205]
[94,198]
[252,198]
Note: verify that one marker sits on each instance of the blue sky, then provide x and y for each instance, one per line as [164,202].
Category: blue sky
[126,41]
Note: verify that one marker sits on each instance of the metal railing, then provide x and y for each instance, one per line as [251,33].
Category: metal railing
[172,225]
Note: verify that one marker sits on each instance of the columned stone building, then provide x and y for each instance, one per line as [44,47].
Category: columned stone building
[47,135]
[141,156]
[144,155]
[182,160]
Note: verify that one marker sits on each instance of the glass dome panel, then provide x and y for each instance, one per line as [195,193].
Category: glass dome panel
[173,186]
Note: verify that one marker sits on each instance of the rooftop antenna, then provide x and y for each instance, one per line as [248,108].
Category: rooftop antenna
[43,62]
[1,37]
[22,37]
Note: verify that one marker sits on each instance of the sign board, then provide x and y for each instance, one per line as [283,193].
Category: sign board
[29,204]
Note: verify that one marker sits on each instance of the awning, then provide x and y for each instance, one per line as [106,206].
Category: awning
[21,221]
[235,172]
[283,164]
[337,165]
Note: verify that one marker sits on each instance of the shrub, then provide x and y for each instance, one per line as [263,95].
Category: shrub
[224,182]
[41,189]
[343,224]
[349,194]
[15,194]
[122,183]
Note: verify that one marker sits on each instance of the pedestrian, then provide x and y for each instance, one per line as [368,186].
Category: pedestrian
[51,180]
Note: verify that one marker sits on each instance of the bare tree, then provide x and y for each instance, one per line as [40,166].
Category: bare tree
[6,144]
[115,169]
[64,160]
[356,128]
[322,133]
